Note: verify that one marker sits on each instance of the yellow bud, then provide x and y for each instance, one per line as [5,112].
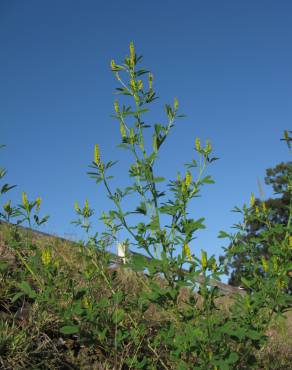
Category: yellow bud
[85,302]
[76,206]
[208,146]
[140,85]
[123,130]
[264,208]
[214,266]
[46,257]
[183,186]
[265,264]
[132,52]
[257,210]
[150,80]
[175,104]
[56,264]
[133,84]
[187,251]
[24,199]
[86,207]
[7,206]
[132,133]
[247,301]
[96,155]
[113,65]
[188,179]
[204,259]
[154,143]
[275,263]
[38,203]
[290,241]
[116,106]
[198,144]
[252,200]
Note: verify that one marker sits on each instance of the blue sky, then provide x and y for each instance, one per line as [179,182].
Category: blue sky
[228,62]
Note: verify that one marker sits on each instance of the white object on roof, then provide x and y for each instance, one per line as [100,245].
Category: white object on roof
[122,247]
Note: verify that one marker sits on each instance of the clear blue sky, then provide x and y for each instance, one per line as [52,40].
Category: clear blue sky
[228,62]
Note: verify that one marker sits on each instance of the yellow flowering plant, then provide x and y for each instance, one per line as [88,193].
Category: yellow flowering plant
[29,211]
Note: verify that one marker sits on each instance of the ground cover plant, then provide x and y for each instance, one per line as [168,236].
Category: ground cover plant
[66,305]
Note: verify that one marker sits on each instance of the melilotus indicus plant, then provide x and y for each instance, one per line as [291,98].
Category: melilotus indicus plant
[195,334]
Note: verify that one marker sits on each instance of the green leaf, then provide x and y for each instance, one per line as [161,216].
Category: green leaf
[17,296]
[158,179]
[3,266]
[208,180]
[138,263]
[233,358]
[246,282]
[26,288]
[253,334]
[142,208]
[70,329]
[223,234]
[118,316]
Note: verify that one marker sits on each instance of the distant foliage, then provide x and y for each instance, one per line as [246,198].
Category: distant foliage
[279,212]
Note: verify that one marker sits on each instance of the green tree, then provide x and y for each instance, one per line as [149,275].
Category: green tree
[279,178]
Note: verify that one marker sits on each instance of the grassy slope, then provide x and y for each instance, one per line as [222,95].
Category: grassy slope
[29,330]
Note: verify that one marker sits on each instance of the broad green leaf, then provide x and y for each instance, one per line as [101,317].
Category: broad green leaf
[118,316]
[70,329]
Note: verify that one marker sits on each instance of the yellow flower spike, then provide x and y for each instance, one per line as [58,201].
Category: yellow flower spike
[187,252]
[175,104]
[132,133]
[133,85]
[56,264]
[208,146]
[85,302]
[154,143]
[123,130]
[247,302]
[275,264]
[198,144]
[132,52]
[46,257]
[116,106]
[24,199]
[204,259]
[214,267]
[264,208]
[257,210]
[265,264]
[188,179]
[96,155]
[150,80]
[113,65]
[252,200]
[290,242]
[38,203]
[183,186]
[7,206]
[140,85]
[76,206]
[86,209]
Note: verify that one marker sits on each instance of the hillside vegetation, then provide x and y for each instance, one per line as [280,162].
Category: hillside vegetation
[65,306]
